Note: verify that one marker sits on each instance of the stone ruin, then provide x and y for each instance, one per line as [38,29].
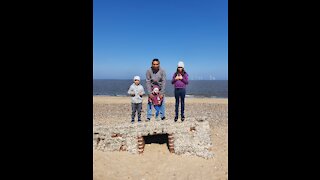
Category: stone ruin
[191,137]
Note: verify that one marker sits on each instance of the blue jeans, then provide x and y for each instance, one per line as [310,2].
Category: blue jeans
[179,93]
[162,109]
[157,108]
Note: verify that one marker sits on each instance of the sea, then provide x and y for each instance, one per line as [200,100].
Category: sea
[195,88]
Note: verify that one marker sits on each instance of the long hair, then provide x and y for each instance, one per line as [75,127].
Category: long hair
[182,72]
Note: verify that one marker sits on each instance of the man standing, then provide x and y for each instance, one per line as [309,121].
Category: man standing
[156,76]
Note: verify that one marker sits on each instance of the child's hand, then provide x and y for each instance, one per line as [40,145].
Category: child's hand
[178,77]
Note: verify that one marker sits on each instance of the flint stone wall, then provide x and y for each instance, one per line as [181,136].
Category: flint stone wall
[191,137]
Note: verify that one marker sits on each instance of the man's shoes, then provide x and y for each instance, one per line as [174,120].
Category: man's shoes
[163,118]
[175,119]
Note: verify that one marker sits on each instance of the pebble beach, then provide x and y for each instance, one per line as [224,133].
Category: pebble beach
[157,162]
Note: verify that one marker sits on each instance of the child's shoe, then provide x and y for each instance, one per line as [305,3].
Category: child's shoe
[175,119]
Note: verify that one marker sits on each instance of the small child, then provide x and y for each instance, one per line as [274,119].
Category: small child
[136,90]
[156,100]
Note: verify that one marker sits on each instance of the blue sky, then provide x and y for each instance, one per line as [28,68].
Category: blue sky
[128,34]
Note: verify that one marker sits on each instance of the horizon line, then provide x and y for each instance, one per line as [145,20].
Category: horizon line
[167,79]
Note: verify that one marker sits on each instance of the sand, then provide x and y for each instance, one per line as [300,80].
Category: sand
[157,162]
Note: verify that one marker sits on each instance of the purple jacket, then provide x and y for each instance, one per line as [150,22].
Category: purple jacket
[180,83]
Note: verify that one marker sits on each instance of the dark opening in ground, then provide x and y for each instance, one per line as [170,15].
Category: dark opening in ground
[157,138]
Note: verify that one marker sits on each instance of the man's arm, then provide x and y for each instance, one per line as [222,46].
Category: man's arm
[148,82]
[164,80]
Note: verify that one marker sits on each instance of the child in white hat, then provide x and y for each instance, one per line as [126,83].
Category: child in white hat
[136,90]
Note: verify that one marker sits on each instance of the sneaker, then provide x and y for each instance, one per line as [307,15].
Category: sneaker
[175,119]
[182,118]
[163,118]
